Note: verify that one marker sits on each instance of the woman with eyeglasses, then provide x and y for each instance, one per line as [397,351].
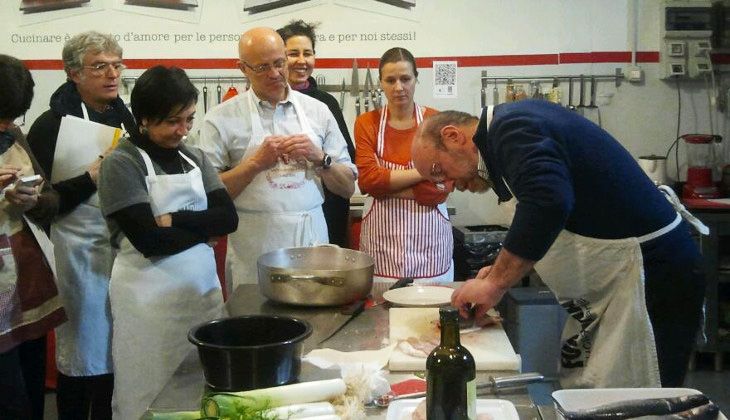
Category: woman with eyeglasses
[93,65]
[299,38]
[165,206]
[405,226]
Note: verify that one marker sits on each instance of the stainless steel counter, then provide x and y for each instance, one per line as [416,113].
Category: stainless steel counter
[369,331]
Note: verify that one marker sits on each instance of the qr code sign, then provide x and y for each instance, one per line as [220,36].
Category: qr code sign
[446,74]
[444,79]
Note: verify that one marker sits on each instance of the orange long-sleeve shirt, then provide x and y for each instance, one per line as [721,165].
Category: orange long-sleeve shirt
[374,179]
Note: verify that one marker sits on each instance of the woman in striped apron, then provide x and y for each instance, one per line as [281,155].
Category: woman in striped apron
[405,226]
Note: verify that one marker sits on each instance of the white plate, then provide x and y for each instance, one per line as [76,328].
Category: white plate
[419,296]
[497,409]
[580,399]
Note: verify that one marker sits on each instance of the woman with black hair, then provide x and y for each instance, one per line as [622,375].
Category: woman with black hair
[165,206]
[29,302]
[299,38]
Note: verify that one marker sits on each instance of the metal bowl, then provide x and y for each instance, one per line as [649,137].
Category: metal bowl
[315,276]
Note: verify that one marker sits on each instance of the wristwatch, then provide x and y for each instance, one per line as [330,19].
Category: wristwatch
[326,161]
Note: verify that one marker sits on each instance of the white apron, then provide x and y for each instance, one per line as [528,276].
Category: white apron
[405,239]
[155,301]
[608,340]
[84,258]
[280,208]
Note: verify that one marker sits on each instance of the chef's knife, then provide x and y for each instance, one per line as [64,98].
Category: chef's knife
[491,386]
[570,94]
[218,90]
[342,95]
[357,106]
[581,93]
[353,310]
[366,91]
[355,82]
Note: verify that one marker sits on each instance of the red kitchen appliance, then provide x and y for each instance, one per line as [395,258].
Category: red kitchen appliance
[700,158]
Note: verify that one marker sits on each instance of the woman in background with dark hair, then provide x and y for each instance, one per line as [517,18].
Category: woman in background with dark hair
[405,225]
[165,206]
[299,38]
[29,302]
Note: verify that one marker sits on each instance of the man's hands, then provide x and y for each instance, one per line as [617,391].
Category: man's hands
[481,293]
[297,148]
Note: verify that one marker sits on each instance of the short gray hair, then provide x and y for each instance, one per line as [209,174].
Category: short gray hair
[431,127]
[84,43]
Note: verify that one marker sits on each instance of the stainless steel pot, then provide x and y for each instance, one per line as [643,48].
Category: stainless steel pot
[315,276]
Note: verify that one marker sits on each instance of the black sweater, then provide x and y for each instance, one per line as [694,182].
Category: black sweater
[188,228]
[44,133]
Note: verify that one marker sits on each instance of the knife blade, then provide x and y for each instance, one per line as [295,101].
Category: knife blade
[342,95]
[353,310]
[355,82]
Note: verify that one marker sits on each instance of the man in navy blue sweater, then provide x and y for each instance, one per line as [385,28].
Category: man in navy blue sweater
[600,234]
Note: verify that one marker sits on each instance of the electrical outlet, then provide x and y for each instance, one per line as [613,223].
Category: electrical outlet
[635,74]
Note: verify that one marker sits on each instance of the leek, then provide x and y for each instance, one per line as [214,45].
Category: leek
[175,415]
[233,404]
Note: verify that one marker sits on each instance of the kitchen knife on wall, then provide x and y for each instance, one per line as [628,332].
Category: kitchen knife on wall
[581,93]
[355,82]
[205,98]
[357,106]
[570,94]
[366,90]
[342,95]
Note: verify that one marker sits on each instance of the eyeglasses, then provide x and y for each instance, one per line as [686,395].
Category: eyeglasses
[265,68]
[437,172]
[99,69]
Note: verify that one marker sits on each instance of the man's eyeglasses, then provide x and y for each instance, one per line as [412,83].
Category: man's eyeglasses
[99,69]
[436,172]
[265,68]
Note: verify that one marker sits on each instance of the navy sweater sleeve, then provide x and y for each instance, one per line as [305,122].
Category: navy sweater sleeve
[140,227]
[188,228]
[536,169]
[219,219]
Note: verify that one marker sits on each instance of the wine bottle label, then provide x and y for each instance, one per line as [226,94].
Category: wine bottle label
[471,399]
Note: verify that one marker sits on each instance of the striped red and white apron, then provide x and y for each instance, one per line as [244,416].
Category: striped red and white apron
[405,239]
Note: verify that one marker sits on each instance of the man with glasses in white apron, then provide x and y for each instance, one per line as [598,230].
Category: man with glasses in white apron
[617,254]
[67,141]
[275,148]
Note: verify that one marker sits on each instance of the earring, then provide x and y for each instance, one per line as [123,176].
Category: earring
[142,129]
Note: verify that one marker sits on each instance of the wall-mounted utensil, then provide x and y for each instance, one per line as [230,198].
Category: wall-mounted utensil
[379,98]
[570,94]
[320,79]
[367,90]
[592,104]
[219,91]
[342,95]
[581,93]
[355,81]
[495,94]
[205,98]
[483,91]
[357,106]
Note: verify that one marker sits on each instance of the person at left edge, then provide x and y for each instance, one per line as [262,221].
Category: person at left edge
[84,256]
[299,38]
[29,302]
[165,206]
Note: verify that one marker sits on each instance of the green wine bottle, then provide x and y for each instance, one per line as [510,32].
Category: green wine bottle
[450,374]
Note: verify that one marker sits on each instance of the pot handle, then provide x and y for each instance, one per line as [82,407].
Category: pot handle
[327,281]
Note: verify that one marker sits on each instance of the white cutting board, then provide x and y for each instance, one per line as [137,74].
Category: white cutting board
[489,346]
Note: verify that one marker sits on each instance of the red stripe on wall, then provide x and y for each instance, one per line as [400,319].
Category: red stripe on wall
[365,62]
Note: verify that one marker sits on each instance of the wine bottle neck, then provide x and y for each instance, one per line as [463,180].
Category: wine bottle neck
[450,332]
